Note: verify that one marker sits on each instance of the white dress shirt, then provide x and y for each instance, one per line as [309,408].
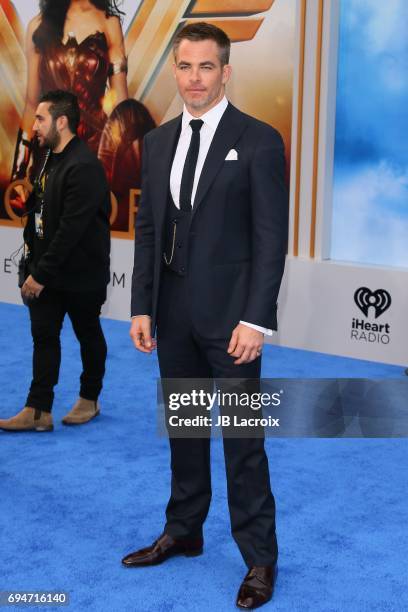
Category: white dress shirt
[211,120]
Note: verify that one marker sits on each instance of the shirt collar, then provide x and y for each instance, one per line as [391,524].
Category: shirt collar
[210,118]
[71,144]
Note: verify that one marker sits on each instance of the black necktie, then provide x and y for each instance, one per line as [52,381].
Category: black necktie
[187,179]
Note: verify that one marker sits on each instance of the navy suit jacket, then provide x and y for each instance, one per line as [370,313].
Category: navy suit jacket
[238,232]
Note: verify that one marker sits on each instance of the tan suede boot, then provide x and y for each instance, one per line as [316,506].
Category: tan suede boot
[28,419]
[83,411]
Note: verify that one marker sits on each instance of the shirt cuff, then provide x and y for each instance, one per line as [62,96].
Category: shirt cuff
[263,330]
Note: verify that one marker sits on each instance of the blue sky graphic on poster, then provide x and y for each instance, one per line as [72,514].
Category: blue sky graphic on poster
[370,205]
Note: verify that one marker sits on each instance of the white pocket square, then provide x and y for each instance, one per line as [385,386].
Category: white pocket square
[232,155]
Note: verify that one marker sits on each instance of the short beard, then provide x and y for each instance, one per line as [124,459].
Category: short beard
[53,138]
[198,105]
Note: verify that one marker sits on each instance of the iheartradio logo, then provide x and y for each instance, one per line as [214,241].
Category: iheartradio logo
[379,299]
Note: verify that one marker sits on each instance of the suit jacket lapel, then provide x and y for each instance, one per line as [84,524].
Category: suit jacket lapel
[229,129]
[163,163]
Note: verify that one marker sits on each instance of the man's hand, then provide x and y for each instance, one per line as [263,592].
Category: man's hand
[246,344]
[31,288]
[140,332]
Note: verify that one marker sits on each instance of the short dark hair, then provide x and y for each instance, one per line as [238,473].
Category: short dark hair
[205,31]
[63,103]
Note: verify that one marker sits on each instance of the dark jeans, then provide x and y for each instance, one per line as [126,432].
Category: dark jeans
[47,315]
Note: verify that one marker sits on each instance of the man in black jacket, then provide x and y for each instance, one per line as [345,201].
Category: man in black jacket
[67,240]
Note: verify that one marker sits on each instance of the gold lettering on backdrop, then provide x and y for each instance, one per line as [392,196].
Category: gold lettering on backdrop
[17,190]
[134,195]
[22,189]
[114,208]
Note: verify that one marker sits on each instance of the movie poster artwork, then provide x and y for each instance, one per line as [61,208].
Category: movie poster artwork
[124,81]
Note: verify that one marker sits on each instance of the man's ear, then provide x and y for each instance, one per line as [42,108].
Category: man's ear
[226,73]
[61,123]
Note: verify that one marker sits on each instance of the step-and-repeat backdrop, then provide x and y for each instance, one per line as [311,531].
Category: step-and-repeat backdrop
[346,297]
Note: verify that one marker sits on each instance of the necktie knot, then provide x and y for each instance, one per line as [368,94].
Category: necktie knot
[196,124]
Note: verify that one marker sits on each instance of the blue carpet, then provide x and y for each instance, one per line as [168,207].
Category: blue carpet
[74,501]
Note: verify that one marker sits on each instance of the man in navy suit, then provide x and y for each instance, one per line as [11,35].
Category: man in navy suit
[210,246]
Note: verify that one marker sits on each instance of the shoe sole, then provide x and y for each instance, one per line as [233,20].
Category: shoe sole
[84,422]
[36,429]
[192,553]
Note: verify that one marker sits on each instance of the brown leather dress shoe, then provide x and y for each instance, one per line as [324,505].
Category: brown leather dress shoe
[257,587]
[162,549]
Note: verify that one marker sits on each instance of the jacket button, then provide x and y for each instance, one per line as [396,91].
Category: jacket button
[182,269]
[179,245]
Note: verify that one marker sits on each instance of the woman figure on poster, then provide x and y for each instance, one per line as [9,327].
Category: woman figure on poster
[77,45]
